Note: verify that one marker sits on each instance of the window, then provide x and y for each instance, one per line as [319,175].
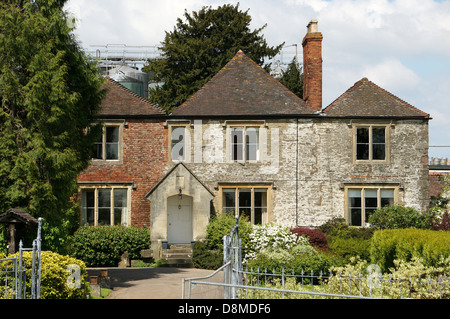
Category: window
[251,202]
[371,143]
[362,201]
[104,206]
[178,143]
[244,143]
[107,147]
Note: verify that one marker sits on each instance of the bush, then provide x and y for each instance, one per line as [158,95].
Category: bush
[104,245]
[221,225]
[205,258]
[392,217]
[315,236]
[55,275]
[346,248]
[271,235]
[338,227]
[405,244]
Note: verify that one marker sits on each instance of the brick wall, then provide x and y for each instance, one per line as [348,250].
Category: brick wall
[145,154]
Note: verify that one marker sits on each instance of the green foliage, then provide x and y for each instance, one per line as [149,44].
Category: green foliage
[199,46]
[49,94]
[104,245]
[405,244]
[346,248]
[292,78]
[58,280]
[205,258]
[391,217]
[221,225]
[338,227]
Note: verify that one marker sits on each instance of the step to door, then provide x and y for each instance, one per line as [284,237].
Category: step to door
[179,255]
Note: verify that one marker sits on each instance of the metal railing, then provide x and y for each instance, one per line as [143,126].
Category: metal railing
[13,272]
[252,283]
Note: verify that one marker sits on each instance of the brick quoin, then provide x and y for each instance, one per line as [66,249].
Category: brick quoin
[312,67]
[145,155]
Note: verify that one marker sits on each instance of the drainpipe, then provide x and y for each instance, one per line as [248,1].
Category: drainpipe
[296,180]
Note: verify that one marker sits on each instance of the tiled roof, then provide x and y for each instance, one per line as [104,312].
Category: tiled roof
[243,88]
[120,101]
[366,99]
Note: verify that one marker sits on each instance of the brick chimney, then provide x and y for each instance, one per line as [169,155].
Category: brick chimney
[312,66]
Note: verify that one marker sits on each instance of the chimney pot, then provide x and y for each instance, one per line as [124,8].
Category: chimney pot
[312,26]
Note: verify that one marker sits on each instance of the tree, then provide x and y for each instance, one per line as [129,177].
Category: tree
[292,78]
[49,93]
[199,47]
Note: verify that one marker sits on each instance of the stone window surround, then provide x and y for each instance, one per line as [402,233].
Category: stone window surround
[372,124]
[112,186]
[267,216]
[395,187]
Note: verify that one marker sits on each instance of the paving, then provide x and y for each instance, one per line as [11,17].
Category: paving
[150,283]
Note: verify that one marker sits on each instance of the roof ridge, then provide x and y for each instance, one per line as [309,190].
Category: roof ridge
[122,87]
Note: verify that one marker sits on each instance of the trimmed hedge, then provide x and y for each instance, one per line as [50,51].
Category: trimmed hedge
[102,246]
[405,244]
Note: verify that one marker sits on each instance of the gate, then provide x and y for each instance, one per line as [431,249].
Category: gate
[13,273]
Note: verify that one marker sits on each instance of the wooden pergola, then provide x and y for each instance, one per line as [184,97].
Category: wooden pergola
[18,220]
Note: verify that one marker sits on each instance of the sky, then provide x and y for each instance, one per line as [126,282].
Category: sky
[401,45]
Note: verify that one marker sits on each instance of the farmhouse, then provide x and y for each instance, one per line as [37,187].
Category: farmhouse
[247,145]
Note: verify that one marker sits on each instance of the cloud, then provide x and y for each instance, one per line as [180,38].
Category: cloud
[391,73]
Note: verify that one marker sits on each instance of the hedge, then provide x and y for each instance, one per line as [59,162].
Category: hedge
[103,246]
[405,244]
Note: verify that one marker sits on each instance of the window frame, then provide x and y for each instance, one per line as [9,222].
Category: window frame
[112,206]
[265,215]
[229,145]
[104,143]
[187,142]
[371,143]
[364,188]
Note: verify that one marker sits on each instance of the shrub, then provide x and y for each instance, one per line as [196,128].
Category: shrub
[271,235]
[221,225]
[104,245]
[391,217]
[56,276]
[346,248]
[338,227]
[205,258]
[315,236]
[405,244]
[441,222]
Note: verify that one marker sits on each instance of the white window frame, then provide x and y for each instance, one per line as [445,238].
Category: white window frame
[104,143]
[185,143]
[244,143]
[96,189]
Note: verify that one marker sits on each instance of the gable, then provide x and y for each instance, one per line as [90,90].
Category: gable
[243,88]
[366,99]
[122,102]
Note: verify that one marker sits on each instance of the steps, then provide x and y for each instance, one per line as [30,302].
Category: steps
[179,255]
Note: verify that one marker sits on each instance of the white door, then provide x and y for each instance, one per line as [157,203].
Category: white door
[179,220]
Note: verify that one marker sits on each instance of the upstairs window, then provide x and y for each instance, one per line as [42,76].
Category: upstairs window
[371,143]
[107,147]
[244,143]
[178,143]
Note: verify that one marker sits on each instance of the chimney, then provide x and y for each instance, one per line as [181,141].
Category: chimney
[312,66]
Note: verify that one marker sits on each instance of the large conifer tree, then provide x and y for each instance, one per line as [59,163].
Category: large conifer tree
[199,46]
[49,94]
